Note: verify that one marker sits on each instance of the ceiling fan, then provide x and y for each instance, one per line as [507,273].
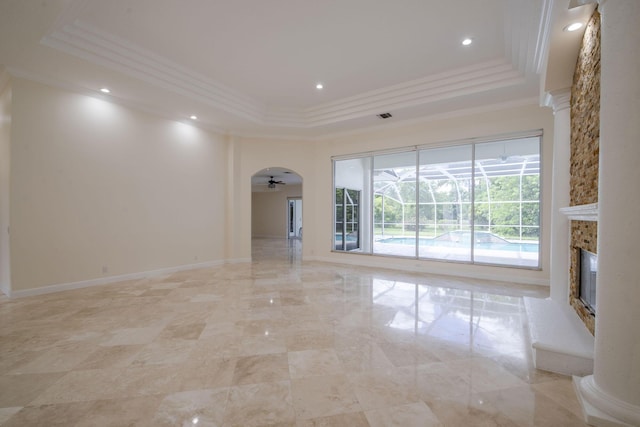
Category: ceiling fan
[272,183]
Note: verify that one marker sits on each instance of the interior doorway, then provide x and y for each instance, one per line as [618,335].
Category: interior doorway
[294,219]
[276,215]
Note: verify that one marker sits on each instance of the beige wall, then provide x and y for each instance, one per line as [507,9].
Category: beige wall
[251,156]
[269,211]
[516,119]
[98,189]
[312,160]
[97,186]
[5,155]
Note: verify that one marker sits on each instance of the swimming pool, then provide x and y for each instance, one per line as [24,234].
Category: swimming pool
[496,246]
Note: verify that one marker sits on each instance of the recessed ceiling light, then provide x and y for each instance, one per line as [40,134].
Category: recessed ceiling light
[192,117]
[319,86]
[105,90]
[573,27]
[467,42]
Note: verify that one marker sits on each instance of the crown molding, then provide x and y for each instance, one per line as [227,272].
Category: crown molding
[465,112]
[544,35]
[560,99]
[522,44]
[98,47]
[464,81]
[328,136]
[39,78]
[74,88]
[75,37]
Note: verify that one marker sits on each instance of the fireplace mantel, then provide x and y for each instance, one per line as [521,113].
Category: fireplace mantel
[581,212]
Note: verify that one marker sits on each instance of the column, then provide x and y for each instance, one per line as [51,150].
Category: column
[560,224]
[611,396]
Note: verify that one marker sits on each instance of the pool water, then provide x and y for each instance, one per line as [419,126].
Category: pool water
[496,246]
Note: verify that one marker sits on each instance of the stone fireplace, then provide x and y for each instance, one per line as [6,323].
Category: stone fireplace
[584,234]
[588,278]
[596,149]
[562,327]
[584,163]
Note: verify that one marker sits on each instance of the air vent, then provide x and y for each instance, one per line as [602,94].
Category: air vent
[385,115]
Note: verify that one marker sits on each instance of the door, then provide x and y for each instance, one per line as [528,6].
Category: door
[294,220]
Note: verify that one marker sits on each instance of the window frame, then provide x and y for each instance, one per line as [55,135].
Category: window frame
[472,142]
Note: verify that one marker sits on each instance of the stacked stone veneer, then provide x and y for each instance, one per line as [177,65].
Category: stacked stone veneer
[585,136]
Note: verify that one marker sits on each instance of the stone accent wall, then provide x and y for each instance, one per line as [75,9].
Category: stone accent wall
[583,236]
[585,137]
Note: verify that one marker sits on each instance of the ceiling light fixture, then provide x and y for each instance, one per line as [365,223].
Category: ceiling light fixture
[319,86]
[105,90]
[192,117]
[467,42]
[573,27]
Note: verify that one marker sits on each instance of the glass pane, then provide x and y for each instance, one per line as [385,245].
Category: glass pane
[352,223]
[471,203]
[507,209]
[347,229]
[352,180]
[339,219]
[394,189]
[445,203]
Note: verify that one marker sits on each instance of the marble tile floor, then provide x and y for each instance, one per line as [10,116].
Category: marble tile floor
[278,342]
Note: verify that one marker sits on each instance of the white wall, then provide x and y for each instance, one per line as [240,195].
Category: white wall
[96,186]
[269,211]
[350,173]
[98,189]
[251,155]
[517,119]
[312,160]
[5,155]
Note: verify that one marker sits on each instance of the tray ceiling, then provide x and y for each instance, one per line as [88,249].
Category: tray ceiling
[250,67]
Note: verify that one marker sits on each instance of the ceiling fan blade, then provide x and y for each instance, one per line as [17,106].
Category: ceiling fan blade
[273,181]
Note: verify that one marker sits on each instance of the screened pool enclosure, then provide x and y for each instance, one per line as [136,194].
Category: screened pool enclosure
[475,202]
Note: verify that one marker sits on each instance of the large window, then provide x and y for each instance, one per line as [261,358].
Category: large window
[445,177]
[394,212]
[352,205]
[476,202]
[347,237]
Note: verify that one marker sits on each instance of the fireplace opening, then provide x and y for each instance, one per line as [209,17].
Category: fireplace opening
[587,278]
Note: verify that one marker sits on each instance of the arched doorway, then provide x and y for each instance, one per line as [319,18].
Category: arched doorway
[276,214]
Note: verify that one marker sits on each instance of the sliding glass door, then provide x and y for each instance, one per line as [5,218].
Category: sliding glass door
[445,180]
[470,202]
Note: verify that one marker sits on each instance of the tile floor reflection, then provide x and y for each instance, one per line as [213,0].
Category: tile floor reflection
[277,342]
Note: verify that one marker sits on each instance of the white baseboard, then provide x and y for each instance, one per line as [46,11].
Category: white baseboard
[448,269]
[601,409]
[5,289]
[237,260]
[105,280]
